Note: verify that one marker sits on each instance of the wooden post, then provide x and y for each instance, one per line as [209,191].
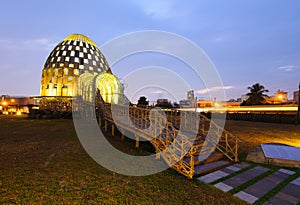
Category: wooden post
[157,154]
[99,123]
[112,129]
[137,142]
[122,136]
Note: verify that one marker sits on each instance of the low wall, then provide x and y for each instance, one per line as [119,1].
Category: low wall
[283,118]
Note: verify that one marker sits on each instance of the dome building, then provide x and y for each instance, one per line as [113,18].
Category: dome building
[71,69]
[72,57]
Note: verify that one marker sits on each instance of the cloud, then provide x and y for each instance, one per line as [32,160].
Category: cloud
[158,92]
[32,44]
[161,10]
[287,68]
[41,43]
[207,90]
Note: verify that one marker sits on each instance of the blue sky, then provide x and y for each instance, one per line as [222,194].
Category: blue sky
[248,41]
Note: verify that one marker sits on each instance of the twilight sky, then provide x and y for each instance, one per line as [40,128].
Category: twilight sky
[248,41]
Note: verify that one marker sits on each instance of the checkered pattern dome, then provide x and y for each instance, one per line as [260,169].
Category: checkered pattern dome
[74,56]
[77,52]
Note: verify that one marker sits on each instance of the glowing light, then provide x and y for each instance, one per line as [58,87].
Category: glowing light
[12,100]
[4,103]
[19,112]
[280,96]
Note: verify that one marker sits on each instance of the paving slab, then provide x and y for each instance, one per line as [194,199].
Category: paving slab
[216,175]
[244,177]
[246,197]
[281,152]
[235,167]
[223,187]
[213,176]
[265,185]
[290,194]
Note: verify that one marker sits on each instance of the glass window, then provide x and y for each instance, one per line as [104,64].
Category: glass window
[71,65]
[70,79]
[72,53]
[70,48]
[67,59]
[66,71]
[76,71]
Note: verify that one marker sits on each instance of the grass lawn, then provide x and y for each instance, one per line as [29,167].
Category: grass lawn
[42,161]
[253,134]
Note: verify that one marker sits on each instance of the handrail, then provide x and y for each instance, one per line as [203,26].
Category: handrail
[167,133]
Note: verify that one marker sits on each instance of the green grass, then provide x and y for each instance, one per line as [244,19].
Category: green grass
[42,162]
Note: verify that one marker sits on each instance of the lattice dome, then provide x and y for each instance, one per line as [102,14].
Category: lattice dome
[73,56]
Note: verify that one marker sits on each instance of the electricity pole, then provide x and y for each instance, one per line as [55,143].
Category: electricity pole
[298,113]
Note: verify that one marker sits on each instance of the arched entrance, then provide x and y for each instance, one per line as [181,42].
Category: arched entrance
[109,87]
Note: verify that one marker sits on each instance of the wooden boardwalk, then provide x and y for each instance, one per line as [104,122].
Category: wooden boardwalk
[179,138]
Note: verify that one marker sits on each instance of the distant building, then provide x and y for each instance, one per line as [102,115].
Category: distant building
[15,104]
[189,102]
[190,95]
[280,97]
[185,103]
[204,103]
[162,101]
[296,97]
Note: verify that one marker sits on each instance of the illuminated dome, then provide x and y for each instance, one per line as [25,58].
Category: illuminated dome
[73,56]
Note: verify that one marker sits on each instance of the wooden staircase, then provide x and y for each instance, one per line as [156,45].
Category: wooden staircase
[181,140]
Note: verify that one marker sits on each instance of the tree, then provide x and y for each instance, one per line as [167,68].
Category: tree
[256,95]
[142,102]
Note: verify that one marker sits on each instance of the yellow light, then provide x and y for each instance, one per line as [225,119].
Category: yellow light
[19,112]
[280,96]
[4,103]
[12,100]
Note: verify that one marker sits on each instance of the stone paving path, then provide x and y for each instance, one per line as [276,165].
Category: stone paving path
[241,178]
[263,186]
[288,195]
[214,176]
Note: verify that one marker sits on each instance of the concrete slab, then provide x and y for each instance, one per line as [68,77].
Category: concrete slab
[281,152]
[223,187]
[282,199]
[296,181]
[265,185]
[246,197]
[213,176]
[246,176]
[236,167]
[289,172]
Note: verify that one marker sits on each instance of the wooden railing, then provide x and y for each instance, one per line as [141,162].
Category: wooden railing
[173,134]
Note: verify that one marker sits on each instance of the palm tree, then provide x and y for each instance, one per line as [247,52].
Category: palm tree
[256,95]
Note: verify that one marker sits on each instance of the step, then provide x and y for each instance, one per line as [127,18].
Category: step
[215,156]
[210,167]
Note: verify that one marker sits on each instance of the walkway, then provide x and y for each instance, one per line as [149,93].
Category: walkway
[257,184]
